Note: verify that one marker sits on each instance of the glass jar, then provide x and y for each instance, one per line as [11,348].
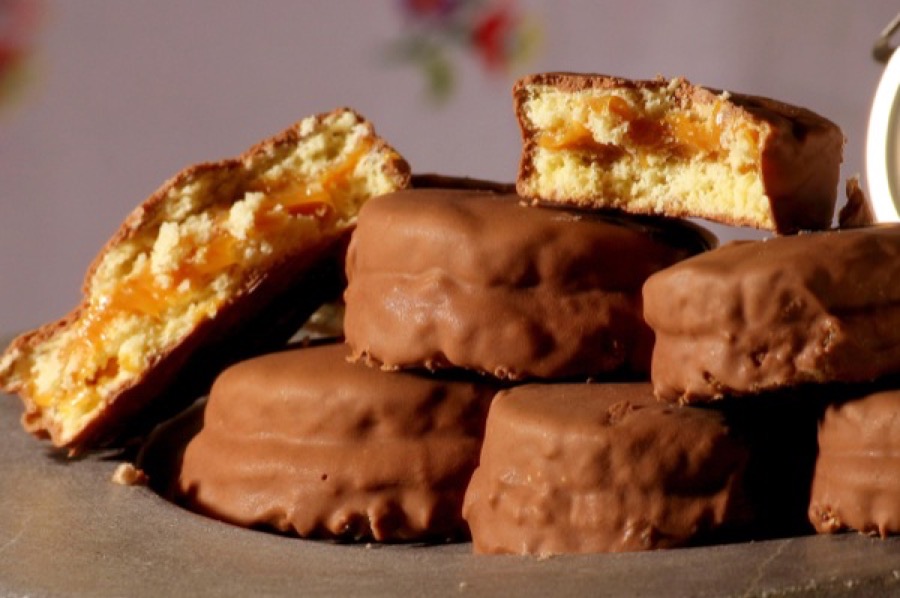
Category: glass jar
[883,133]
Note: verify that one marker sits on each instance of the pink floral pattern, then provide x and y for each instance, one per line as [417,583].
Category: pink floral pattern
[496,33]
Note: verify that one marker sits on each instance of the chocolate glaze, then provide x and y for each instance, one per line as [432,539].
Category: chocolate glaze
[441,181]
[441,278]
[752,316]
[304,442]
[601,468]
[857,476]
[858,211]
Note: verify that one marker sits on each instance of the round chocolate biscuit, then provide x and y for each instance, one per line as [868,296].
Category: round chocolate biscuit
[305,442]
[857,477]
[573,468]
[754,316]
[442,278]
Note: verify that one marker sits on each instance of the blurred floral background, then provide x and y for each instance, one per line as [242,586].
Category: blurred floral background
[19,24]
[102,100]
[498,34]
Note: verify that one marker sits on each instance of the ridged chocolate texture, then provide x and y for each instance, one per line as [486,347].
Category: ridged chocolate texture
[857,478]
[447,278]
[759,315]
[601,468]
[304,442]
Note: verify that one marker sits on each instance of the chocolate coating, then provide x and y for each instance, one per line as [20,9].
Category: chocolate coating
[601,468]
[304,442]
[441,278]
[753,316]
[857,477]
[440,181]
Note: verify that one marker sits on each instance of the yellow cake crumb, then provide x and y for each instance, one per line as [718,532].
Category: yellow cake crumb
[126,474]
[690,160]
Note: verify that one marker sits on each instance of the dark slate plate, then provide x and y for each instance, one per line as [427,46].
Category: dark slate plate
[67,530]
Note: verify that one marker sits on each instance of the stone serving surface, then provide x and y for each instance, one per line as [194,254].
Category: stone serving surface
[67,530]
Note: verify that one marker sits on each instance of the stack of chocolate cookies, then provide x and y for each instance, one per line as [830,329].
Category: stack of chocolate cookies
[563,365]
[562,307]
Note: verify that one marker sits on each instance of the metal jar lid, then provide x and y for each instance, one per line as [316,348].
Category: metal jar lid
[883,134]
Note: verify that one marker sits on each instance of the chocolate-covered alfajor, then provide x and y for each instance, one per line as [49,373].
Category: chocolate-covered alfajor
[573,468]
[223,261]
[759,315]
[473,279]
[857,476]
[304,442]
[673,148]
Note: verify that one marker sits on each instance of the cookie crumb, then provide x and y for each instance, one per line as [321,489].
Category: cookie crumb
[126,474]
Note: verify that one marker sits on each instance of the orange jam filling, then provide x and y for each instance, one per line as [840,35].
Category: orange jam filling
[695,136]
[677,134]
[297,197]
[142,295]
[574,137]
[613,105]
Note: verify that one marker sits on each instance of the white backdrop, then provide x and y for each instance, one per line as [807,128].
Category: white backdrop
[128,93]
